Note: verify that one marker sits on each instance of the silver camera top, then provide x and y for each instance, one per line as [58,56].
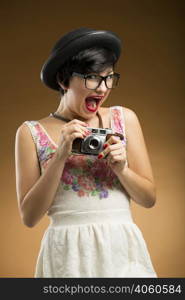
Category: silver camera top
[100,131]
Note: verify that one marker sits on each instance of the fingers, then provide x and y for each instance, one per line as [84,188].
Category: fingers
[110,147]
[69,132]
[74,130]
[115,158]
[113,140]
[75,126]
[115,149]
[113,152]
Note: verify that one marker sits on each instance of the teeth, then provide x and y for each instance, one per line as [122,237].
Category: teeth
[91,103]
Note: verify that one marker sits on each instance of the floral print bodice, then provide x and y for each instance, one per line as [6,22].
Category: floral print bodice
[85,175]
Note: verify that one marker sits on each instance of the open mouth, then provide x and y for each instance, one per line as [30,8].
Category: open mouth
[92,102]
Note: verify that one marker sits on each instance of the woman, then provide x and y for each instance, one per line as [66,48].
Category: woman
[86,194]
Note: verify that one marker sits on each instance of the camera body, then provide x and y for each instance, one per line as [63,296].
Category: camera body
[93,143]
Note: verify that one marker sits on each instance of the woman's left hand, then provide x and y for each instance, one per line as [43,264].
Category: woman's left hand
[115,153]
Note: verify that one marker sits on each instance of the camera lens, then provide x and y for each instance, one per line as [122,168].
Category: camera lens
[94,144]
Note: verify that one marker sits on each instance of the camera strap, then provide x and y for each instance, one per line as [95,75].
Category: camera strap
[55,115]
[100,120]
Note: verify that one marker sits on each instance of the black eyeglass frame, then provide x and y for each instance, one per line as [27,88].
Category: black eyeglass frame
[103,78]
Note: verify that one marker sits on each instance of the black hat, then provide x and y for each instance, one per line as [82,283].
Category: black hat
[73,42]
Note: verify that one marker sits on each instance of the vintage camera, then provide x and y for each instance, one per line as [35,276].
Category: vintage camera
[93,143]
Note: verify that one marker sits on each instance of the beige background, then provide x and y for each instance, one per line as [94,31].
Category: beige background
[152,84]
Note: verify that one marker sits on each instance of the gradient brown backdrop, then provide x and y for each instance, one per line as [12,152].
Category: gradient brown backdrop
[152,84]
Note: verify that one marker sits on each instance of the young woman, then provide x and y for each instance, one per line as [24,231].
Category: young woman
[86,194]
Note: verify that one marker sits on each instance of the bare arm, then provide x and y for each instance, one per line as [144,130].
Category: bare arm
[137,177]
[35,192]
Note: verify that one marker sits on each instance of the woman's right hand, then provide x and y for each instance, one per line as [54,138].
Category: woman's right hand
[70,131]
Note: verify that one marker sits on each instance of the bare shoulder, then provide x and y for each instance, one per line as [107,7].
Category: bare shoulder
[137,152]
[132,125]
[132,122]
[23,132]
[24,140]
[130,115]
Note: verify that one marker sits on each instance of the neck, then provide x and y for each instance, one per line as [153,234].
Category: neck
[64,111]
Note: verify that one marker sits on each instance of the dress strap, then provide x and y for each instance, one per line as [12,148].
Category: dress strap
[118,121]
[33,130]
[39,134]
[44,147]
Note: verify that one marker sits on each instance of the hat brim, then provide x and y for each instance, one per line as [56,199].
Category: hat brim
[105,39]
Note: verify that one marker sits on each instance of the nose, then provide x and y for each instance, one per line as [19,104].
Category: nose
[102,87]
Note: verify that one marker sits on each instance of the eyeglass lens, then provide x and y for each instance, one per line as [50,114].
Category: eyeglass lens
[92,82]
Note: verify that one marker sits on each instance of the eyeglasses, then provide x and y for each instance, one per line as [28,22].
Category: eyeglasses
[92,81]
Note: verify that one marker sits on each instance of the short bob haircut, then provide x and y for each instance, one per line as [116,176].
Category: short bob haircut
[92,60]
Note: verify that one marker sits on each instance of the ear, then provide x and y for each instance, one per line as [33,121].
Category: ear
[61,84]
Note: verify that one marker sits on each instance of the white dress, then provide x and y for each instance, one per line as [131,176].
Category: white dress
[91,233]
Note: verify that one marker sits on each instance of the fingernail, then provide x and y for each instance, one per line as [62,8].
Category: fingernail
[105,146]
[100,156]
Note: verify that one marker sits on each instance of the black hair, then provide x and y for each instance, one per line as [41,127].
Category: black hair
[92,60]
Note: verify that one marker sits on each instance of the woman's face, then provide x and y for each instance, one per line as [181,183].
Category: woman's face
[83,102]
